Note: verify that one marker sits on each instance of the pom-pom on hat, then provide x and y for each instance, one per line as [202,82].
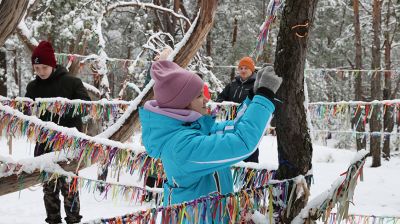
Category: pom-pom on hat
[44,54]
[248,62]
[174,86]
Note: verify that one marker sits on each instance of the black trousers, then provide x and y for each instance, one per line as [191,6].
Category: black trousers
[52,201]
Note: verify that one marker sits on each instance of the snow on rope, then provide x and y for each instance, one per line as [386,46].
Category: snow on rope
[88,149]
[101,109]
[346,116]
[46,162]
[365,219]
[51,171]
[117,190]
[358,134]
[340,194]
[237,204]
[328,116]
[146,165]
[244,174]
[357,103]
[234,205]
[353,71]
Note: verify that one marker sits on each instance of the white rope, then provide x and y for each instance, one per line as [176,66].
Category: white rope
[319,69]
[375,102]
[374,133]
[224,103]
[67,101]
[350,70]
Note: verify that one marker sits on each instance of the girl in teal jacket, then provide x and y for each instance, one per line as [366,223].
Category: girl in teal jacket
[197,152]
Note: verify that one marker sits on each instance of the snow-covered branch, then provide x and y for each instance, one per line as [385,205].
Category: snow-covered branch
[46,162]
[147,5]
[26,36]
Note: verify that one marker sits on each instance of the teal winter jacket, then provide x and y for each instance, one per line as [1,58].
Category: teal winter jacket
[197,155]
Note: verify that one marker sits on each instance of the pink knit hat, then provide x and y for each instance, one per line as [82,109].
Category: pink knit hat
[174,86]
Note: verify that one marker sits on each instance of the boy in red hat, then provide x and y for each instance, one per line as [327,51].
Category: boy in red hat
[53,80]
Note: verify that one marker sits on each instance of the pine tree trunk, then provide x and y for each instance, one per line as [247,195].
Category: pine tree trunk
[11,13]
[3,77]
[388,122]
[209,45]
[359,126]
[234,39]
[376,94]
[294,142]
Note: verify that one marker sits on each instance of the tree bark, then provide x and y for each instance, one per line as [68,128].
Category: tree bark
[15,182]
[185,13]
[28,43]
[359,126]
[376,94]
[77,49]
[294,142]
[177,4]
[3,77]
[388,122]
[11,13]
[16,73]
[169,23]
[209,45]
[234,39]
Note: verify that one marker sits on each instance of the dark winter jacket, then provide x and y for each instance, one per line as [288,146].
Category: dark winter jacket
[59,84]
[237,90]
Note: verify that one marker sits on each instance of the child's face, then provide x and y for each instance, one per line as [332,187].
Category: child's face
[198,104]
[43,71]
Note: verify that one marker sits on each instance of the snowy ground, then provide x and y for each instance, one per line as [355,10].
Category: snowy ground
[378,195]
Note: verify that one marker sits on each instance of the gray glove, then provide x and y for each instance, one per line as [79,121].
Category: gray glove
[267,78]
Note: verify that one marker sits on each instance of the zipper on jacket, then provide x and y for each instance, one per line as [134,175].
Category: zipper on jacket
[241,89]
[234,95]
[217,184]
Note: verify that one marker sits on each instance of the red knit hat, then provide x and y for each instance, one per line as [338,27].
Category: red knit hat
[44,54]
[248,62]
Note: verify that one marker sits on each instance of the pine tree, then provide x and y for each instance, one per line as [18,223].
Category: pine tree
[294,142]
